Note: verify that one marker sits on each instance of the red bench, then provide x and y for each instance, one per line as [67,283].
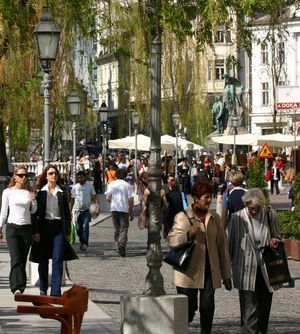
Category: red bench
[68,309]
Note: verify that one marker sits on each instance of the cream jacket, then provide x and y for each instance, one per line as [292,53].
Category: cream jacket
[212,235]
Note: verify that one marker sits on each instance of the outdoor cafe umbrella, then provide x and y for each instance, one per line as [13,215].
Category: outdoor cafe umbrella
[183,144]
[143,143]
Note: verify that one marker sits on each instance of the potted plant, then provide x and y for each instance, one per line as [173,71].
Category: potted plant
[284,223]
[290,224]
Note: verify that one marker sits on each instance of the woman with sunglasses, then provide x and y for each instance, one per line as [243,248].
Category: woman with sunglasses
[52,225]
[18,203]
[250,229]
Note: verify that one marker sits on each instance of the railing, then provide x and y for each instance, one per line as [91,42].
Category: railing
[37,167]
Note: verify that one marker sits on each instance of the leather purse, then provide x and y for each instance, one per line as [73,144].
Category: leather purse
[179,257]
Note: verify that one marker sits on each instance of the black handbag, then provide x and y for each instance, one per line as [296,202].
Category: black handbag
[180,257]
[276,262]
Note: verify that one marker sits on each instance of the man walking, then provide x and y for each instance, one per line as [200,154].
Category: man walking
[82,194]
[120,195]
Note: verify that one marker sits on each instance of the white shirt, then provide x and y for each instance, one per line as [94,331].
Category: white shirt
[17,207]
[52,208]
[120,192]
[82,194]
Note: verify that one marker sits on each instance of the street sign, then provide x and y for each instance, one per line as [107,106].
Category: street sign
[265,152]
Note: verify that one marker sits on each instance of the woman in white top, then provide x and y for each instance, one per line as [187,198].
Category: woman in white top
[18,204]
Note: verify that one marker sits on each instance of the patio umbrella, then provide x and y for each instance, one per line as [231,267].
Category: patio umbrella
[143,143]
[244,139]
[278,140]
[183,144]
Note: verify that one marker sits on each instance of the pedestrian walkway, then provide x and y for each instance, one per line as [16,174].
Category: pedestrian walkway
[95,320]
[107,275]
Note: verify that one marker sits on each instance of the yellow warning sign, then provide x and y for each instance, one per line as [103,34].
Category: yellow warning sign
[265,152]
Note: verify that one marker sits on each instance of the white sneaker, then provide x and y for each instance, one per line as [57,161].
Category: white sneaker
[17,292]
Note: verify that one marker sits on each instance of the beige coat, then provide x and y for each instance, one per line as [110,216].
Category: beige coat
[213,235]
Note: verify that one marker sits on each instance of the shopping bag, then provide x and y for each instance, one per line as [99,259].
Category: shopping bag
[276,264]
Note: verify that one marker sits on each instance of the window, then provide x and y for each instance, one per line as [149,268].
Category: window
[281,53]
[264,54]
[220,34]
[265,93]
[219,69]
[209,71]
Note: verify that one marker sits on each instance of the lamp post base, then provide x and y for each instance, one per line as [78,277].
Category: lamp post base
[166,314]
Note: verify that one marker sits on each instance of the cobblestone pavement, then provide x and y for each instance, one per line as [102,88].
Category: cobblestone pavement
[108,275]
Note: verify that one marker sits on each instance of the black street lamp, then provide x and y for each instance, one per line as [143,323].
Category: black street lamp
[154,284]
[176,121]
[136,122]
[74,104]
[47,35]
[103,112]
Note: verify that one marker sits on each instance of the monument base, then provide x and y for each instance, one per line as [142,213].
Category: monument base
[167,314]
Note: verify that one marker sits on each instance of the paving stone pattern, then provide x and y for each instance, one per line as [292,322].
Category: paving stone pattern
[108,275]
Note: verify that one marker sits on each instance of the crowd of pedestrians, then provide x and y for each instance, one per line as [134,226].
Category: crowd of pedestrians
[226,247]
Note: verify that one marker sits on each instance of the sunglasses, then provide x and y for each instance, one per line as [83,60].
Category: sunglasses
[52,173]
[22,175]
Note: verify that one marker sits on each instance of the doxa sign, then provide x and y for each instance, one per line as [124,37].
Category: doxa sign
[288,105]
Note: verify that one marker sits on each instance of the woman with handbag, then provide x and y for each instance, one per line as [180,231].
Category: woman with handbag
[209,262]
[52,227]
[250,229]
[18,203]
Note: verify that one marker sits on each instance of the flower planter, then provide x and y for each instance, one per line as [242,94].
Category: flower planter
[287,247]
[295,249]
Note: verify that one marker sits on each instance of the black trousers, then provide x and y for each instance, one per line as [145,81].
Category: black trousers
[206,305]
[255,307]
[19,240]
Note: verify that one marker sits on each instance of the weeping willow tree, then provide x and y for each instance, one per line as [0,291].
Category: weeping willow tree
[20,103]
[188,24]
[188,28]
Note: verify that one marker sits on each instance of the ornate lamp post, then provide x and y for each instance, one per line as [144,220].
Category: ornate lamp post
[176,121]
[234,123]
[103,112]
[74,104]
[47,36]
[136,122]
[154,284]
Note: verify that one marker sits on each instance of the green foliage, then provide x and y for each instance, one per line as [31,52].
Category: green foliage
[257,177]
[289,222]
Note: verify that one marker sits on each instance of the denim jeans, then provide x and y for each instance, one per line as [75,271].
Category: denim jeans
[19,239]
[52,247]
[82,226]
[121,224]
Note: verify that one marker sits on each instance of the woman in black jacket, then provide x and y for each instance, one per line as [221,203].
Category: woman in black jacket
[52,225]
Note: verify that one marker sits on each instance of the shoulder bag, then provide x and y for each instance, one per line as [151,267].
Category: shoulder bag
[179,257]
[276,262]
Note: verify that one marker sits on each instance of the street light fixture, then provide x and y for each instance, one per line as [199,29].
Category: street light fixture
[234,123]
[74,104]
[47,36]
[176,121]
[103,112]
[136,122]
